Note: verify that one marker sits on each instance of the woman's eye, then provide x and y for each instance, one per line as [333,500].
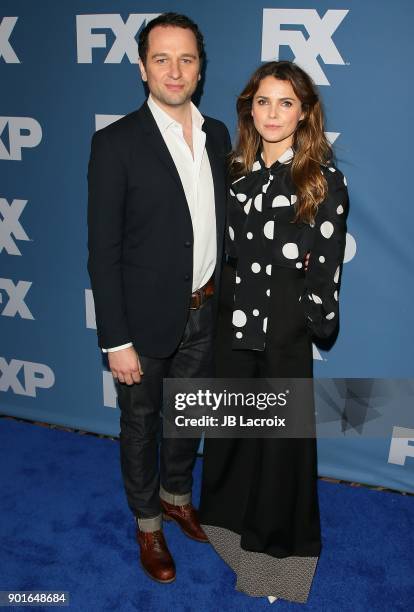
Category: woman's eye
[287,104]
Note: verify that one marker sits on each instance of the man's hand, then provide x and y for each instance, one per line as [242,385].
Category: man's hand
[125,365]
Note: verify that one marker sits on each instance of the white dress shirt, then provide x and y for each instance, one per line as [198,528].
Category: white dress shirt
[195,174]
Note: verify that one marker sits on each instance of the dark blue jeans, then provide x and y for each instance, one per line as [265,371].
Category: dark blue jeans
[141,405]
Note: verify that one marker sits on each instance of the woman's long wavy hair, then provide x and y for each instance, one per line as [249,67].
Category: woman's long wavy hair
[310,144]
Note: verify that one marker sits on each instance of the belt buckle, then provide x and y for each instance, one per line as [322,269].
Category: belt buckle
[196,295]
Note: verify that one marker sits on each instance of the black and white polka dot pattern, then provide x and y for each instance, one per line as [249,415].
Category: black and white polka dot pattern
[261,234]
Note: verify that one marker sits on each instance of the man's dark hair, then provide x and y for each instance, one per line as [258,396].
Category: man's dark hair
[170,19]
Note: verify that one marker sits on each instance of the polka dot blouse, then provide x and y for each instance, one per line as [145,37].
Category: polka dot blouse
[261,235]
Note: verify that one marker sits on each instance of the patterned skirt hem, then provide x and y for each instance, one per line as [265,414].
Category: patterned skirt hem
[261,575]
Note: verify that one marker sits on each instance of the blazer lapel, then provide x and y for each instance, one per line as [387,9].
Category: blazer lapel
[156,142]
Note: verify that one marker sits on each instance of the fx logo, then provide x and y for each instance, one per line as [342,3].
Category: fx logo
[22,132]
[305,49]
[6,50]
[35,376]
[125,32]
[16,294]
[11,226]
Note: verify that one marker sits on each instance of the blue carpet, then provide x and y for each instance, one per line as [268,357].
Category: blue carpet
[65,526]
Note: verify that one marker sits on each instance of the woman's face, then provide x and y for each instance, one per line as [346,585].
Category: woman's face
[276,111]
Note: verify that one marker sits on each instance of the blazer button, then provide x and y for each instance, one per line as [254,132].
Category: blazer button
[187,277]
[187,244]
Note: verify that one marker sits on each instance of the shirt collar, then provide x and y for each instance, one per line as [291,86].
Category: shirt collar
[285,158]
[164,120]
[259,168]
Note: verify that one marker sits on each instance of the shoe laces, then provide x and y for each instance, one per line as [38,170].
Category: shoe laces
[158,540]
[187,509]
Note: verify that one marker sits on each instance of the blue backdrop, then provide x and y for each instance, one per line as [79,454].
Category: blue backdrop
[68,68]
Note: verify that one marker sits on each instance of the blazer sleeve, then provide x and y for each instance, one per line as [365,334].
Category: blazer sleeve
[227,142]
[320,299]
[107,187]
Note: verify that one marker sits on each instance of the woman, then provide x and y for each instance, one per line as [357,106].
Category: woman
[259,504]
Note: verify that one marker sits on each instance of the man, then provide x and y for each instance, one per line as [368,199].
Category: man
[156,222]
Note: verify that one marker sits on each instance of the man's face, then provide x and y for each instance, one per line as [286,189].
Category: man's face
[172,67]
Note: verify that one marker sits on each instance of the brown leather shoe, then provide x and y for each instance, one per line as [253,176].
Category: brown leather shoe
[186,517]
[156,559]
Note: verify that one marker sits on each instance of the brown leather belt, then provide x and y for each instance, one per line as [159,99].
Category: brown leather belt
[199,297]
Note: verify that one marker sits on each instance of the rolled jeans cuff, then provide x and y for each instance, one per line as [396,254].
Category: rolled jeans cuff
[174,498]
[149,524]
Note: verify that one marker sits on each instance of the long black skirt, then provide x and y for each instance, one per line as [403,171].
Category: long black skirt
[259,504]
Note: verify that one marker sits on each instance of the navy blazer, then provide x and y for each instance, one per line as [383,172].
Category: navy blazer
[140,235]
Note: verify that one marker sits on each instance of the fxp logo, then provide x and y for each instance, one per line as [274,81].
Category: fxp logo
[279,30]
[17,133]
[25,377]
